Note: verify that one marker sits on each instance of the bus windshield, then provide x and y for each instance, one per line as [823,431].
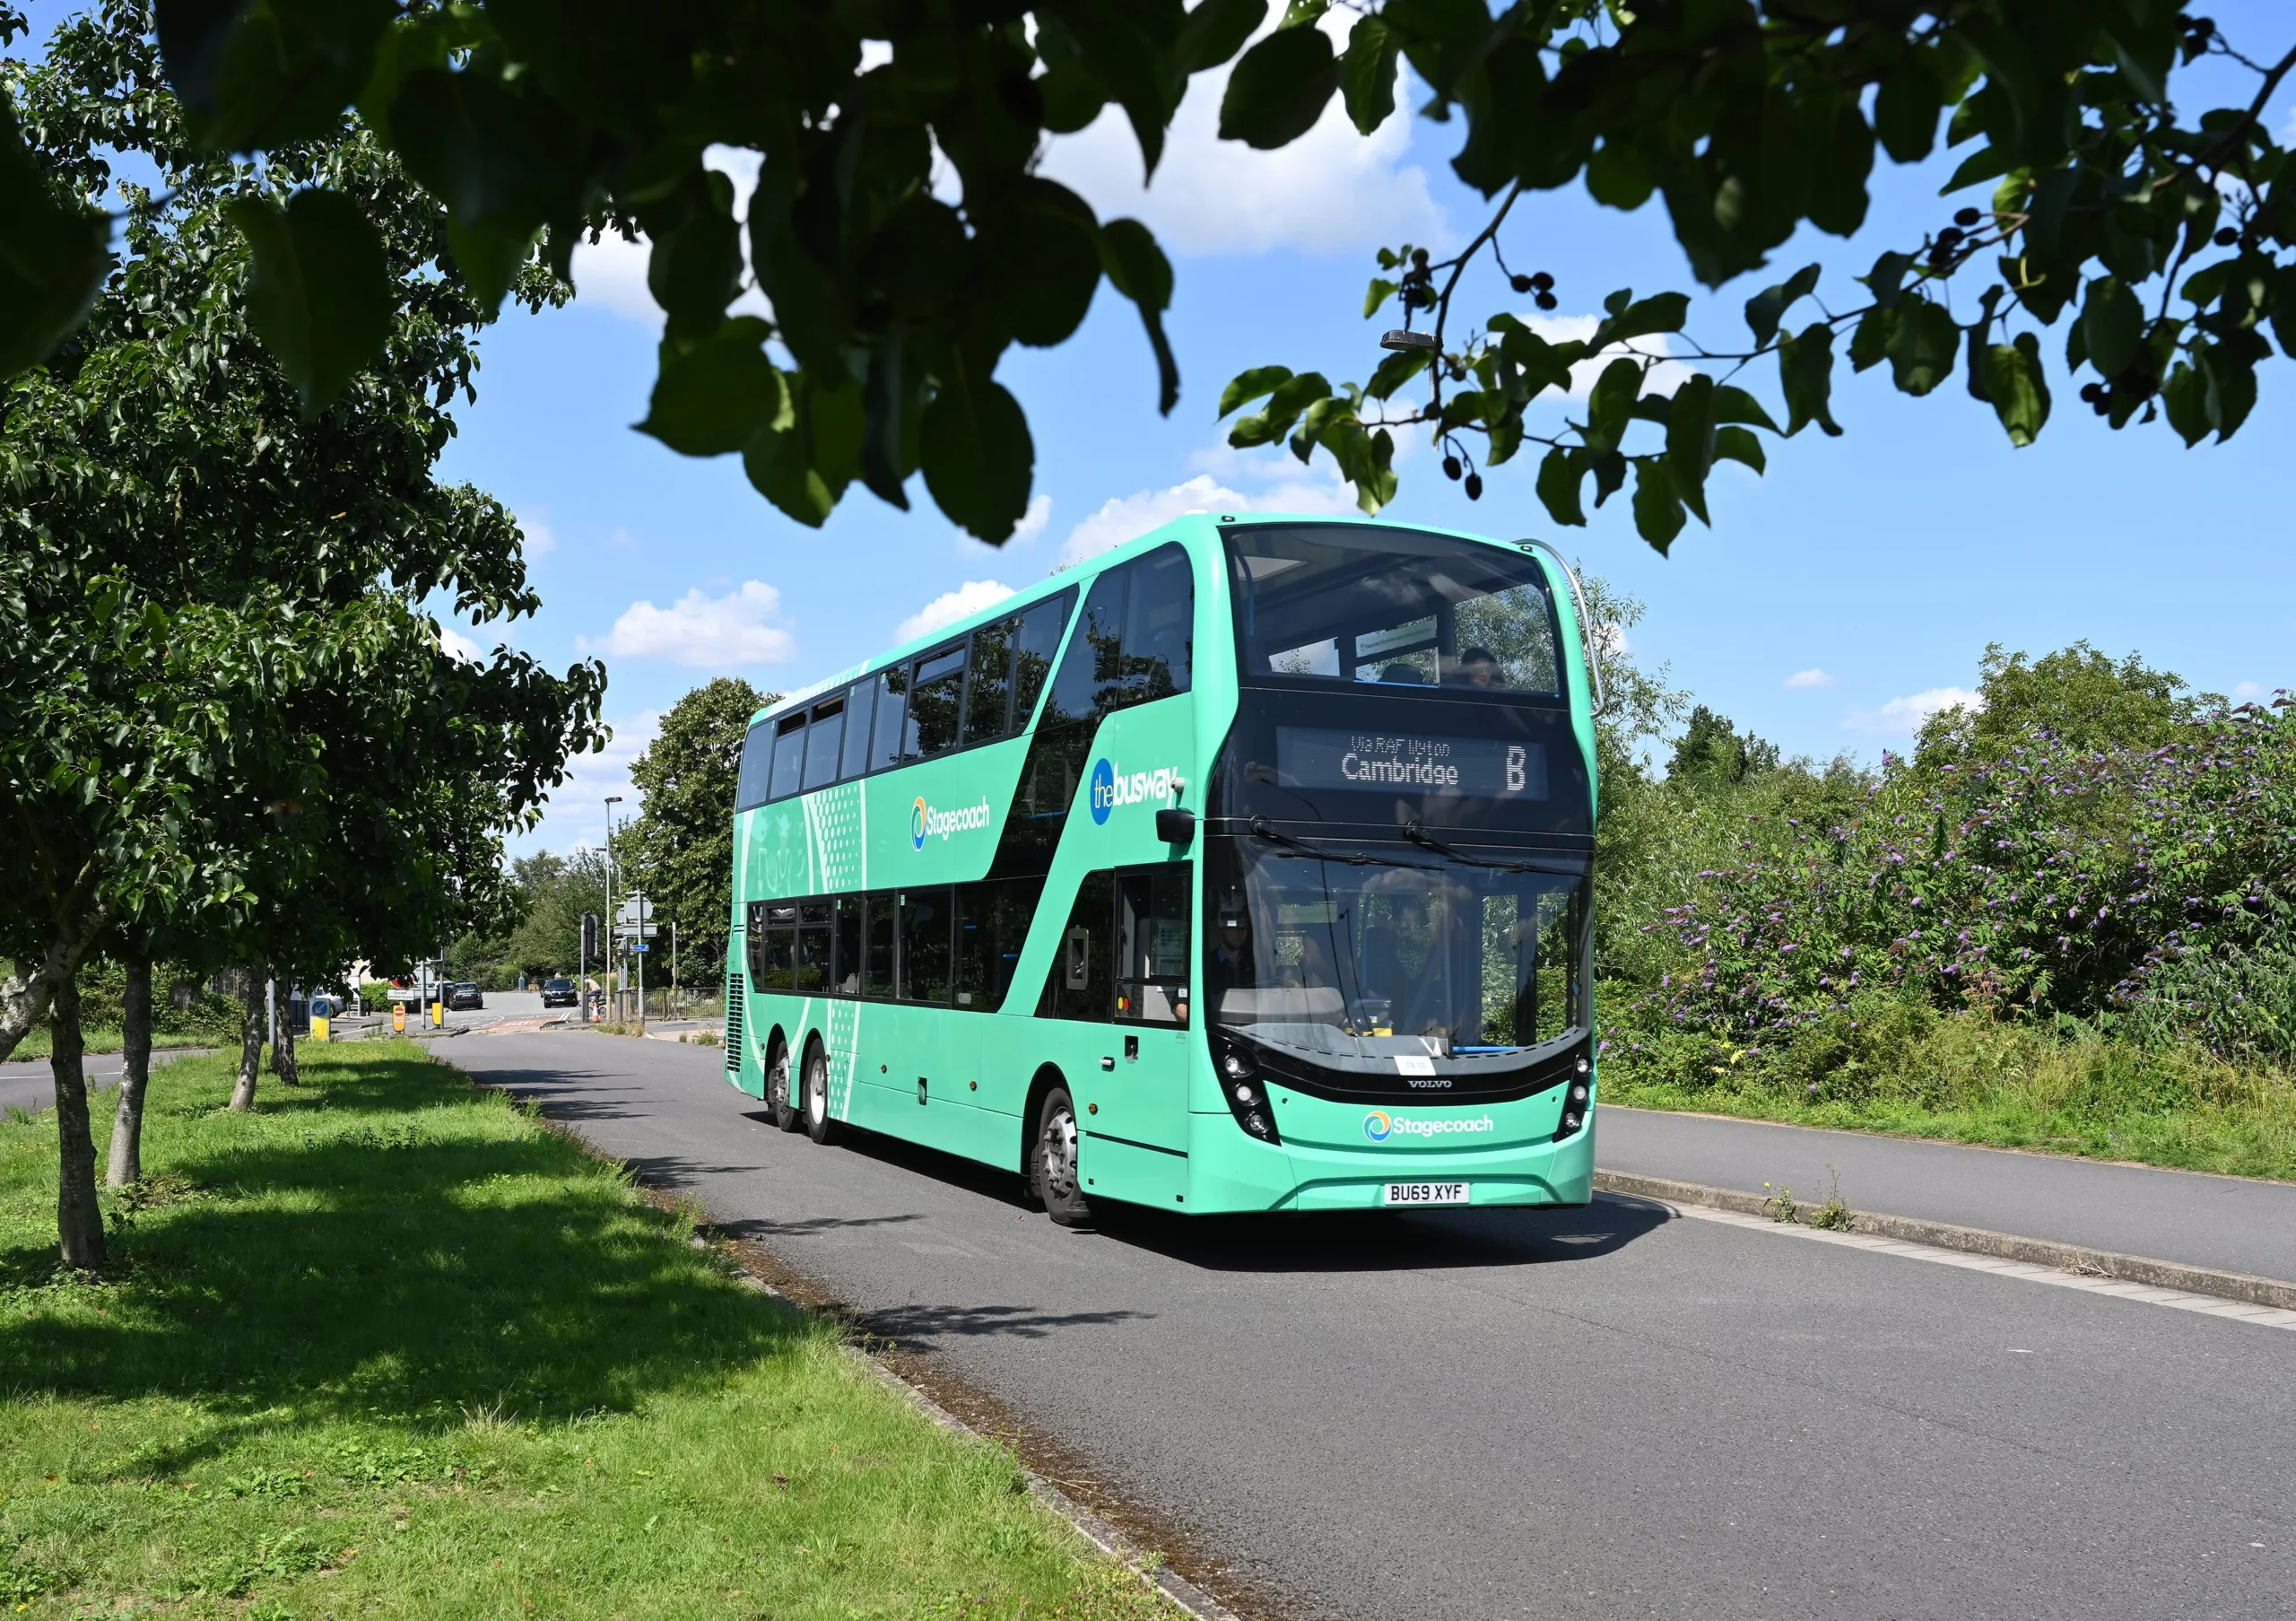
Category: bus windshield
[1392,607]
[1419,956]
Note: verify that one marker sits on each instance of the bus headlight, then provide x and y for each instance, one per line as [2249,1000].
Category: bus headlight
[1577,1099]
[1246,1094]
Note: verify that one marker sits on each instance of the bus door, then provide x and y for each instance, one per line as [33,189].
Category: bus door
[1141,1088]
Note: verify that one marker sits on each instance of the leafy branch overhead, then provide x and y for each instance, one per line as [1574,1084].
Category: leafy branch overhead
[904,241]
[2162,239]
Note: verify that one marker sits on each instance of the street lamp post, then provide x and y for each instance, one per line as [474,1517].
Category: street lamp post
[613,928]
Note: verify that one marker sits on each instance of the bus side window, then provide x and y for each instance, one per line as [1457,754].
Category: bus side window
[892,692]
[778,967]
[925,946]
[828,731]
[1160,626]
[1152,933]
[789,754]
[989,698]
[812,948]
[753,941]
[936,703]
[877,967]
[845,968]
[1033,648]
[861,703]
[757,765]
[1078,984]
[976,944]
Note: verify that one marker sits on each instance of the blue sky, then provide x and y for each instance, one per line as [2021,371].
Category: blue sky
[1831,605]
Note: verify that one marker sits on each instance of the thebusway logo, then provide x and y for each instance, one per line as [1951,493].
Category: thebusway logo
[1111,788]
[1379,1125]
[926,823]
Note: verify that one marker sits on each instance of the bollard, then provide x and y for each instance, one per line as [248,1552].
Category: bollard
[319,1027]
[437,1015]
[398,1018]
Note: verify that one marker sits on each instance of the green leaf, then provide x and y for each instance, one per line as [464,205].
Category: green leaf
[1216,31]
[1378,294]
[1611,404]
[1279,89]
[2017,388]
[2112,326]
[695,268]
[2186,397]
[1660,312]
[1561,472]
[271,72]
[1247,386]
[802,460]
[1906,108]
[1983,164]
[319,293]
[978,458]
[1047,264]
[1767,308]
[1733,404]
[1367,73]
[1072,96]
[54,257]
[1283,407]
[1869,344]
[1689,440]
[1657,509]
[1806,376]
[1740,445]
[1137,268]
[1617,176]
[1922,347]
[713,398]
[1393,373]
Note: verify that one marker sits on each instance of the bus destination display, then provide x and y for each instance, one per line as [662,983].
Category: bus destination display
[1476,768]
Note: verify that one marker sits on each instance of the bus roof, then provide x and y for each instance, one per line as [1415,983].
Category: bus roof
[1187,525]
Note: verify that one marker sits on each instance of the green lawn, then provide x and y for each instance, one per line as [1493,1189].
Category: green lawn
[390,1348]
[102,1038]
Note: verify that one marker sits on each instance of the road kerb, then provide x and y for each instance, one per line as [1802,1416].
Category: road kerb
[2079,1258]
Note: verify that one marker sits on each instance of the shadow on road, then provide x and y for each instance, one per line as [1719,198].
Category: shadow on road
[1372,1240]
[906,1324]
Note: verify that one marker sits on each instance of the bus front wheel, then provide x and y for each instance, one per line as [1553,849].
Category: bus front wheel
[1052,1162]
[777,1101]
[819,1126]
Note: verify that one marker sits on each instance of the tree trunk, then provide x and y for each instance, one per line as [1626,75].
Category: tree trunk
[24,998]
[283,1039]
[79,1220]
[135,1074]
[251,1003]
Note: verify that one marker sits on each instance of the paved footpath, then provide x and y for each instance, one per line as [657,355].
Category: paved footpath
[2228,1223]
[1477,1415]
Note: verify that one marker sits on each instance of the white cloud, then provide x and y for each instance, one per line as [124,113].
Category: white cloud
[1802,681]
[2249,690]
[540,540]
[1033,520]
[1664,378]
[610,273]
[576,812]
[1328,191]
[1903,716]
[1125,517]
[950,606]
[460,646]
[703,632]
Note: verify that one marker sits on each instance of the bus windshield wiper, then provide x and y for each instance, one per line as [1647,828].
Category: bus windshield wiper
[1262,828]
[1416,831]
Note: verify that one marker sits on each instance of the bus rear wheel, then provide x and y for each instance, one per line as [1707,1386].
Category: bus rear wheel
[777,1101]
[1053,1176]
[819,1126]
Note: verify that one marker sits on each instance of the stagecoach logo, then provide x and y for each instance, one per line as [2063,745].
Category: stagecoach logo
[926,823]
[1379,1125]
[1111,788]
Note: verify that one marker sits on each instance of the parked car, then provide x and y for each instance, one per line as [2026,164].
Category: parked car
[559,993]
[463,993]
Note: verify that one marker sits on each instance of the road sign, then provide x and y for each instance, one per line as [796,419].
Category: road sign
[405,993]
[630,931]
[639,945]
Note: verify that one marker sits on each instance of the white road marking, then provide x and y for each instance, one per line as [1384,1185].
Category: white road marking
[2207,1305]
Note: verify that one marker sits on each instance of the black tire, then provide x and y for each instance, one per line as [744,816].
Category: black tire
[1053,1175]
[778,1101]
[814,1102]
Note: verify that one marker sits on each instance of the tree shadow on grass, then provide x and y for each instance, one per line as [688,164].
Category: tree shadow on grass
[353,1251]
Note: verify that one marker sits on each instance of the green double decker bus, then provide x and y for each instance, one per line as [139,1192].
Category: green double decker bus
[1246,867]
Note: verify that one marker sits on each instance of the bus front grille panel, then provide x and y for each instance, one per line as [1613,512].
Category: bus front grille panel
[733,996]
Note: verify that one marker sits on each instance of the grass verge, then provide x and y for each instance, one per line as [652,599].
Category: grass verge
[100,1038]
[1969,1080]
[388,1347]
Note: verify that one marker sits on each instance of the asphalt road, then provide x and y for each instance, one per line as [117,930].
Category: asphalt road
[1600,1413]
[2225,1222]
[32,1085]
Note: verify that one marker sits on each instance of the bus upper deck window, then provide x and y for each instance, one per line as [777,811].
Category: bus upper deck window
[989,699]
[1033,648]
[757,765]
[788,753]
[860,704]
[1135,642]
[936,703]
[828,741]
[890,746]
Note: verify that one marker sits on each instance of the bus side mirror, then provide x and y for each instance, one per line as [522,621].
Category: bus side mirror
[1175,826]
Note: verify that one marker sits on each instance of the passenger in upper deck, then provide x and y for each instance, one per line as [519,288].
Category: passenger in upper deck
[1477,666]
